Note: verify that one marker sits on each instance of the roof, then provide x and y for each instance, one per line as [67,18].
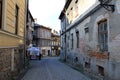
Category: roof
[65,8]
[57,35]
[30,15]
[41,26]
[37,24]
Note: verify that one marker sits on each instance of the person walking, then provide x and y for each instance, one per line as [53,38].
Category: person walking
[40,56]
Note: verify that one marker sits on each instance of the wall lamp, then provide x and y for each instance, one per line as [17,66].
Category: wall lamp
[106,5]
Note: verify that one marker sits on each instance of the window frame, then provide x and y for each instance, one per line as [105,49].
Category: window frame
[72,41]
[103,35]
[1,2]
[101,70]
[87,65]
[16,18]
[77,39]
[86,30]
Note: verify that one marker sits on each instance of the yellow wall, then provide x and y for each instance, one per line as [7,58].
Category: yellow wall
[8,40]
[12,39]
[10,21]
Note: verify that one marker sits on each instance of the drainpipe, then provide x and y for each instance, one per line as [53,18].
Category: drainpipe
[65,40]
[26,11]
[65,45]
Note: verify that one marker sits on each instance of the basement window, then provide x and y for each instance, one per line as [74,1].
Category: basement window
[101,70]
[87,65]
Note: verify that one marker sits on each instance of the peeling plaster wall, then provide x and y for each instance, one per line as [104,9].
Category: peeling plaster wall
[89,41]
[118,6]
[111,66]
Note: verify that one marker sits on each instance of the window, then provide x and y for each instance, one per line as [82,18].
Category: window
[77,36]
[86,30]
[87,65]
[16,19]
[103,35]
[72,41]
[101,70]
[68,41]
[0,13]
[76,1]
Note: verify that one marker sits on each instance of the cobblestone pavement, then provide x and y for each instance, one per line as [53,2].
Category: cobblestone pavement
[52,69]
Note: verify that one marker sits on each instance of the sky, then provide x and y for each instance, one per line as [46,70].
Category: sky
[47,12]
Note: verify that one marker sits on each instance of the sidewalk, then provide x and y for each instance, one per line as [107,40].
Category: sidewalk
[83,71]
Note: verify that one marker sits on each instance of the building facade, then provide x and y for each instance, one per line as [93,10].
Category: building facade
[42,39]
[29,29]
[12,25]
[55,44]
[90,36]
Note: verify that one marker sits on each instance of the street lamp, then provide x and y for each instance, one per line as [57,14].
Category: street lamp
[106,5]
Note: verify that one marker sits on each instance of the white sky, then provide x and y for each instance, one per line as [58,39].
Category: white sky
[47,12]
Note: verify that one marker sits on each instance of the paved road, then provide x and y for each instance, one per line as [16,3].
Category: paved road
[52,69]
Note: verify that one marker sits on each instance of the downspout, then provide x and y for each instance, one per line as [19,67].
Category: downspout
[65,39]
[26,11]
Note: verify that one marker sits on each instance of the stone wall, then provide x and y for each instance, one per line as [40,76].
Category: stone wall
[11,63]
[5,66]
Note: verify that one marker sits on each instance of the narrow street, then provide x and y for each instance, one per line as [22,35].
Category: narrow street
[52,69]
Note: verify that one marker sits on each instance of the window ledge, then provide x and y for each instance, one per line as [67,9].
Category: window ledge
[10,34]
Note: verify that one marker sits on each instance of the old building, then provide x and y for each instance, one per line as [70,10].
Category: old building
[90,36]
[42,38]
[55,43]
[29,29]
[12,25]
